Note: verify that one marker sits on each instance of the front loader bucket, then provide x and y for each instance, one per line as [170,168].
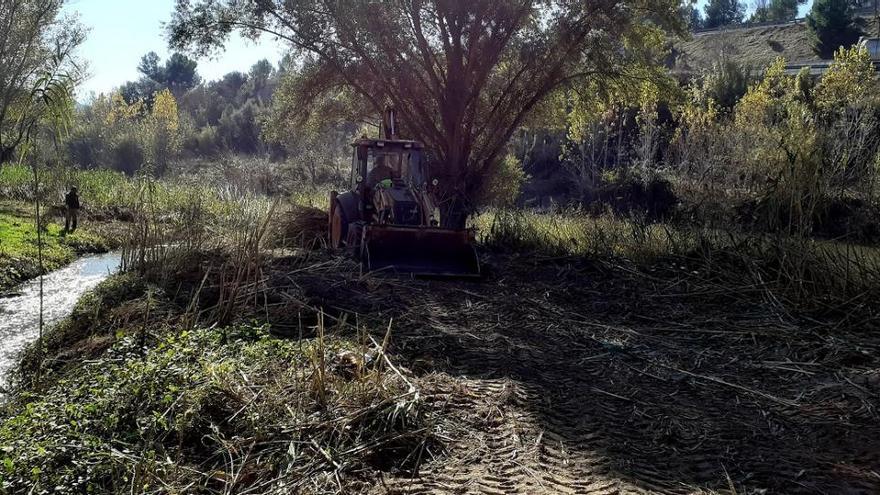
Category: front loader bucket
[424,251]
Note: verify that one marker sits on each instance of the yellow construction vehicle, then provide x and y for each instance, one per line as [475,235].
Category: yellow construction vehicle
[390,220]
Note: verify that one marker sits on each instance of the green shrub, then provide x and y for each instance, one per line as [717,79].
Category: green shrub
[507,178]
[200,406]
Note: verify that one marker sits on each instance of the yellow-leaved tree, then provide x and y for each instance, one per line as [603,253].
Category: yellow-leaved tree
[162,136]
[846,101]
[780,143]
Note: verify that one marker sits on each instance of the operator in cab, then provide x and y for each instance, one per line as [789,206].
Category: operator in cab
[380,172]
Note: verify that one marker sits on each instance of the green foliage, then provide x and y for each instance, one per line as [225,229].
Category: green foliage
[32,46]
[500,62]
[228,114]
[694,17]
[785,139]
[851,80]
[317,139]
[177,75]
[170,115]
[18,245]
[616,130]
[598,100]
[126,136]
[847,104]
[723,13]
[832,26]
[725,84]
[505,184]
[776,10]
[166,417]
[161,132]
[795,145]
[108,193]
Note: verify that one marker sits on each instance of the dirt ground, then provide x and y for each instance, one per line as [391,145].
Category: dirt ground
[563,376]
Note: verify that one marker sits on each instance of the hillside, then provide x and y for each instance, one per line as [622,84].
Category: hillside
[754,46]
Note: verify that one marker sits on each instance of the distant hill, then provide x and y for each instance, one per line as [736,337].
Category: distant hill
[754,46]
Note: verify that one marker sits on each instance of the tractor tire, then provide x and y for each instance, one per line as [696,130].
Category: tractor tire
[338,226]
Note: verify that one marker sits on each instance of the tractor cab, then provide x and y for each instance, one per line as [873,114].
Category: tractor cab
[389,218]
[389,181]
[378,160]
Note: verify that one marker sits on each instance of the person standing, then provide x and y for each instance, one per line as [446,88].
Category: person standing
[71,210]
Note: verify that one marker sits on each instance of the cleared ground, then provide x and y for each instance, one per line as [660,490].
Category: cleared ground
[565,376]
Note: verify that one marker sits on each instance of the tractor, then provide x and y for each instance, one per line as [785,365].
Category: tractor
[390,219]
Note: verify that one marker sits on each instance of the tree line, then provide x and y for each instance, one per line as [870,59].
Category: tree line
[170,113]
[467,79]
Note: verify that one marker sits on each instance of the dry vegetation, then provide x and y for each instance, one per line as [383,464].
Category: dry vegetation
[754,47]
[599,354]
[727,345]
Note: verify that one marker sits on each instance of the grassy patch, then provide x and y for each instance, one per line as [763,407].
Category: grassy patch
[19,254]
[229,410]
[576,233]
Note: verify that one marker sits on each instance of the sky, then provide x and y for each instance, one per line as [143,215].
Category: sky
[802,10]
[122,31]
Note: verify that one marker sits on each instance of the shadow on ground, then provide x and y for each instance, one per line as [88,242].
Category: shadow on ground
[563,376]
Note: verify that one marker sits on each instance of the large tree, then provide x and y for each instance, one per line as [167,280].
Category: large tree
[178,74]
[33,43]
[724,13]
[832,25]
[776,10]
[462,74]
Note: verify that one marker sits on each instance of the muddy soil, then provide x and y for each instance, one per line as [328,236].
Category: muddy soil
[563,376]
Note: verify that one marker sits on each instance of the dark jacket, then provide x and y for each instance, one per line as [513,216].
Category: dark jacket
[71,200]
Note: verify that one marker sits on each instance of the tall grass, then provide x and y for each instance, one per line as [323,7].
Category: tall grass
[103,190]
[805,273]
[573,232]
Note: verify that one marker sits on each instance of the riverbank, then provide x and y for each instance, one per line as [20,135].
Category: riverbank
[237,354]
[19,253]
[129,391]
[196,375]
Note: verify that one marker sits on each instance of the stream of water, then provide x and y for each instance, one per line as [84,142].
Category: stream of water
[19,312]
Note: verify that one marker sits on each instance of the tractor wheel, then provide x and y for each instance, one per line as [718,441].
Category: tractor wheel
[338,226]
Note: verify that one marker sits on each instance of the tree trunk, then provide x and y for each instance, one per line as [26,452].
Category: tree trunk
[454,213]
[6,154]
[455,196]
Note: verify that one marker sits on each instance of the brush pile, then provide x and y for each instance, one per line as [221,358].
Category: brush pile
[301,226]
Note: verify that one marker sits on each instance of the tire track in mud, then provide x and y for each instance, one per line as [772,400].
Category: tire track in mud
[634,397]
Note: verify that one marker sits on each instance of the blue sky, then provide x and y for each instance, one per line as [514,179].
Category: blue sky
[804,9]
[122,31]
